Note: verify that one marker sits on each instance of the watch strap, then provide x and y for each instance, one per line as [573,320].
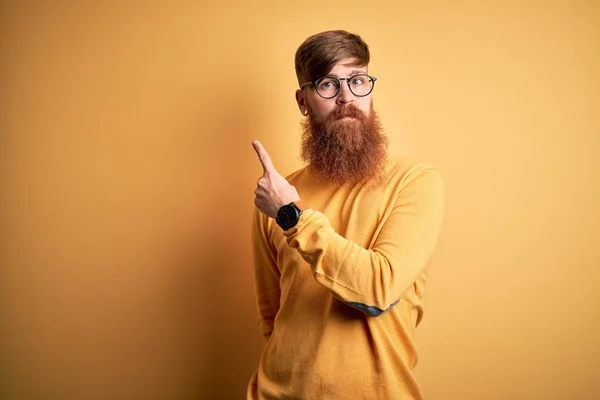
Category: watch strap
[301,205]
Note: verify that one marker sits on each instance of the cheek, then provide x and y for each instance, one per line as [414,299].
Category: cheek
[365,106]
[322,108]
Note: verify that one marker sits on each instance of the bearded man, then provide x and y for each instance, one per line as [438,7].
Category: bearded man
[341,247]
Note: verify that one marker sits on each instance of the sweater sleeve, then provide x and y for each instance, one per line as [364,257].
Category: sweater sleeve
[266,275]
[373,280]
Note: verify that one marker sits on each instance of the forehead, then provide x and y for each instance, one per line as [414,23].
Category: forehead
[347,67]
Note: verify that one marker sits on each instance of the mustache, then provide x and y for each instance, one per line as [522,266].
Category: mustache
[347,111]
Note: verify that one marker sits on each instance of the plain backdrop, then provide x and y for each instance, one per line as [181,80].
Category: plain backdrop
[127,177]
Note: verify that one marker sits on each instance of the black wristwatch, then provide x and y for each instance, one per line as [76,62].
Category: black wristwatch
[289,214]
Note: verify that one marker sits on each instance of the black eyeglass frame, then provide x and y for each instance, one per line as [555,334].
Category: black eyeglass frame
[316,81]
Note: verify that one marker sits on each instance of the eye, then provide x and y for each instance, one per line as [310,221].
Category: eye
[358,80]
[328,84]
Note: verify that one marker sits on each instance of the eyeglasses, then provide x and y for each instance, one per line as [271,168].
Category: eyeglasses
[330,86]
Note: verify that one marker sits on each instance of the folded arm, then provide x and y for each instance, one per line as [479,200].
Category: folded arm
[373,280]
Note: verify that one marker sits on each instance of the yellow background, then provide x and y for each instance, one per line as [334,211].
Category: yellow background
[127,178]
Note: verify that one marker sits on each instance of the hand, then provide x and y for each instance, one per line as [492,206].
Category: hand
[273,189]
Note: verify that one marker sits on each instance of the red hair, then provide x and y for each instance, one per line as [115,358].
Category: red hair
[321,52]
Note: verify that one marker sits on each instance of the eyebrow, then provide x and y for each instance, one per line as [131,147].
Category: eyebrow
[352,73]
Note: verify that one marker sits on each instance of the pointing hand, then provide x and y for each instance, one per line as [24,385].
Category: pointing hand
[273,190]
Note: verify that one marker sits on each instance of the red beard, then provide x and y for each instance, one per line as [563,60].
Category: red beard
[341,150]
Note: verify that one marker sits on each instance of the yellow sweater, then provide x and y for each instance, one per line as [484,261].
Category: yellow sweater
[340,294]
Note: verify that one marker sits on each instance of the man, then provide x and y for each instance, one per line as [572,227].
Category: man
[341,248]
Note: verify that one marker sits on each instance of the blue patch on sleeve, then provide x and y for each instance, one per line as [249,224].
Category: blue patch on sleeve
[371,311]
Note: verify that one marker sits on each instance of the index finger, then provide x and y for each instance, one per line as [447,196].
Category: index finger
[263,156]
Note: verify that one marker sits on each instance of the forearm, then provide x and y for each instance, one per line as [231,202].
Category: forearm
[364,279]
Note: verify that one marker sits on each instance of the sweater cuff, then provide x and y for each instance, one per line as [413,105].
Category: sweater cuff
[308,232]
[303,220]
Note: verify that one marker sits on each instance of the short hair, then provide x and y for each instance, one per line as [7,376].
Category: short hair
[318,54]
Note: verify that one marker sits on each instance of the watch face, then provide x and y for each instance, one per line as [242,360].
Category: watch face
[287,216]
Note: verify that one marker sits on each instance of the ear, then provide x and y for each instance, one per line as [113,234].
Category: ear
[301,100]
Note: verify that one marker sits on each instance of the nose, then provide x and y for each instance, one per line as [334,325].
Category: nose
[345,96]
